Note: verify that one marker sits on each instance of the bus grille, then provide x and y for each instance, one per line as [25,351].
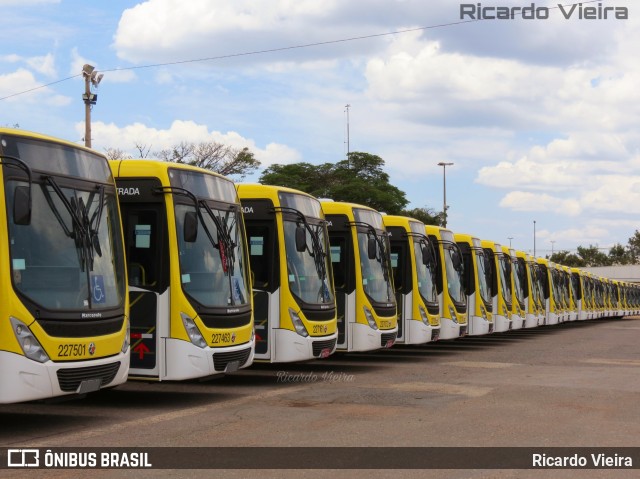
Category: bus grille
[70,379]
[319,346]
[220,360]
[386,337]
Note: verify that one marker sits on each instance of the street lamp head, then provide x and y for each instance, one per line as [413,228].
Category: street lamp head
[87,69]
[442,163]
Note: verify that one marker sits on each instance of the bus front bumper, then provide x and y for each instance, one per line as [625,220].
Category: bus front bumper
[185,360]
[291,347]
[27,380]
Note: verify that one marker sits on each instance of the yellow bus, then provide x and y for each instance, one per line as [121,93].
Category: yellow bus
[538,278]
[577,293]
[500,288]
[589,296]
[550,291]
[572,310]
[509,265]
[64,308]
[524,270]
[295,308]
[367,315]
[413,259]
[561,293]
[518,293]
[452,298]
[477,285]
[191,311]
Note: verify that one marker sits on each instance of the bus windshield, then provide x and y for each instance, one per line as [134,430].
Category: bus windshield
[426,272]
[483,277]
[212,267]
[69,257]
[376,279]
[308,270]
[519,281]
[505,278]
[455,273]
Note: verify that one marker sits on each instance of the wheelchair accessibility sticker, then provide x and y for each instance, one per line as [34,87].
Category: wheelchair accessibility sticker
[97,289]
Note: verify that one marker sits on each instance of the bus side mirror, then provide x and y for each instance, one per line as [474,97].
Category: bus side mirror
[301,239]
[190,227]
[426,255]
[372,247]
[456,259]
[22,205]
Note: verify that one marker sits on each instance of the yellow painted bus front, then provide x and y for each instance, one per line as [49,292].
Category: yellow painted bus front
[365,298]
[501,289]
[413,259]
[452,298]
[64,310]
[477,280]
[293,290]
[190,290]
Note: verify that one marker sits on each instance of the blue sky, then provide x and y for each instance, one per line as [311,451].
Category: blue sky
[539,117]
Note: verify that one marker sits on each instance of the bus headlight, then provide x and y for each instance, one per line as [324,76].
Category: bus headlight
[127,338]
[195,336]
[484,313]
[370,318]
[298,324]
[452,312]
[423,315]
[505,312]
[28,342]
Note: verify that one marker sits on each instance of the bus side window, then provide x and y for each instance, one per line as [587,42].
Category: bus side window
[143,244]
[259,255]
[338,261]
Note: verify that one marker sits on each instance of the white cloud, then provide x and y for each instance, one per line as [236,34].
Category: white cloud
[23,80]
[126,138]
[44,65]
[160,27]
[527,201]
[11,58]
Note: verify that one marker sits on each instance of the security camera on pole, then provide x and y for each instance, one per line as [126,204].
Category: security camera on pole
[91,77]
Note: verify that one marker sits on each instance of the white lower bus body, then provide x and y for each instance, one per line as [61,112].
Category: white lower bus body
[30,380]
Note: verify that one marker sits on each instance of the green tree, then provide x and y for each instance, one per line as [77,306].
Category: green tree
[634,248]
[567,259]
[592,256]
[312,179]
[361,180]
[427,215]
[619,255]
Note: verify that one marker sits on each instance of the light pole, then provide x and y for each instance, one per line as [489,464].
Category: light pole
[444,190]
[347,106]
[91,77]
[534,238]
[552,241]
[510,238]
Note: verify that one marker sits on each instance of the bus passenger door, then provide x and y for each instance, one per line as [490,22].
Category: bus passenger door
[148,290]
[341,258]
[263,255]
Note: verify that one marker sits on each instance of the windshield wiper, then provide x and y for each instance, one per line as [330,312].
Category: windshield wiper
[225,244]
[83,233]
[382,250]
[317,251]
